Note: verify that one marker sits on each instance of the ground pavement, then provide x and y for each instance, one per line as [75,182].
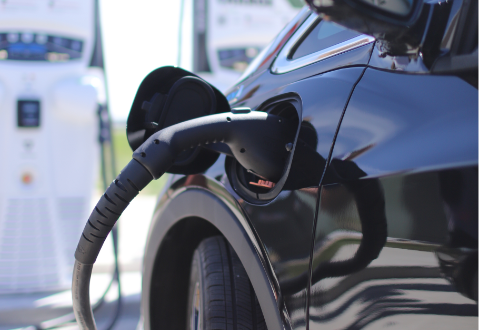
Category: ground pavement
[22,310]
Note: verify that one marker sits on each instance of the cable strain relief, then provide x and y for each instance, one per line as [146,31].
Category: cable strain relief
[136,174]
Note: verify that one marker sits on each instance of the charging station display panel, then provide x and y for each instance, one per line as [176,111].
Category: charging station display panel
[47,31]
[28,113]
[27,46]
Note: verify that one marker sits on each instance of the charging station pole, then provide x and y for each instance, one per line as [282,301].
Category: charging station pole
[49,96]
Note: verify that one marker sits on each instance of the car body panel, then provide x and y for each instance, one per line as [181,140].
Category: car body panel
[285,224]
[410,143]
[257,89]
[201,197]
[287,242]
[402,122]
[414,278]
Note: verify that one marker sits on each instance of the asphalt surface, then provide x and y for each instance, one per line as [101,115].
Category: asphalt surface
[28,310]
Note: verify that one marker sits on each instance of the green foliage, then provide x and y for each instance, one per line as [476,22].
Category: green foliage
[297,3]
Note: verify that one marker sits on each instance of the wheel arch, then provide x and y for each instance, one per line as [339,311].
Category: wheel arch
[183,218]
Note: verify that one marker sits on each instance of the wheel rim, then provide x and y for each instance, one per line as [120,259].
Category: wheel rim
[196,319]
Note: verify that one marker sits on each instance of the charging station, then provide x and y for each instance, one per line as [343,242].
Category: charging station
[49,96]
[220,38]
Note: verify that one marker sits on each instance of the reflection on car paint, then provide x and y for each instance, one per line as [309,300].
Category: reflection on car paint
[285,224]
[410,131]
[271,85]
[427,272]
[407,278]
[408,63]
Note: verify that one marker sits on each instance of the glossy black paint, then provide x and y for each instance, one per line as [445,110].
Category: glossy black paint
[258,89]
[284,225]
[411,123]
[393,244]
[417,158]
[408,281]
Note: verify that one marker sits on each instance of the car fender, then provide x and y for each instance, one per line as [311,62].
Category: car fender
[201,197]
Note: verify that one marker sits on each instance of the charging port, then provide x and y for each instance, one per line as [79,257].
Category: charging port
[252,187]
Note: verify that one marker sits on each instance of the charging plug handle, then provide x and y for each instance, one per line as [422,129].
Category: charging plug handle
[257,141]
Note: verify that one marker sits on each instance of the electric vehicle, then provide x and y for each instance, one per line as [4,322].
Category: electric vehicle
[362,212]
[395,240]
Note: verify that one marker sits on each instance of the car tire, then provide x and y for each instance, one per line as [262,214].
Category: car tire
[220,293]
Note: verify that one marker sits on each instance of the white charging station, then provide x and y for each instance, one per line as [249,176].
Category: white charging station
[49,151]
[224,36]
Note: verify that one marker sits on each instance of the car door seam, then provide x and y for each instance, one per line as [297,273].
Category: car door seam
[317,207]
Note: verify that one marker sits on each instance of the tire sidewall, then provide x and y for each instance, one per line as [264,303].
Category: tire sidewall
[195,277]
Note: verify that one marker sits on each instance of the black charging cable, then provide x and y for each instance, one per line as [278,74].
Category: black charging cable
[257,140]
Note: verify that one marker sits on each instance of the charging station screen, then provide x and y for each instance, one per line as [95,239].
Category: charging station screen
[28,113]
[39,47]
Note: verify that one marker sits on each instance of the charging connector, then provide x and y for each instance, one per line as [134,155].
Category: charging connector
[257,140]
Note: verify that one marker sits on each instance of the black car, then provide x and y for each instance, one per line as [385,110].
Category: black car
[374,222]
